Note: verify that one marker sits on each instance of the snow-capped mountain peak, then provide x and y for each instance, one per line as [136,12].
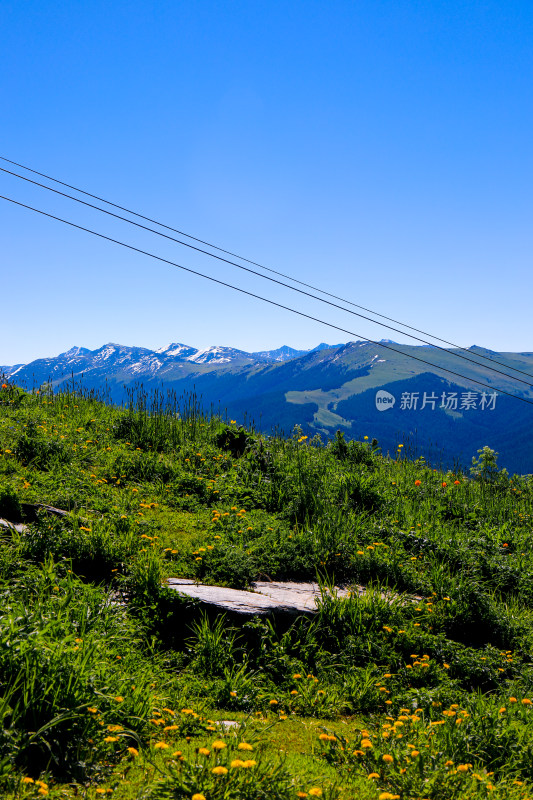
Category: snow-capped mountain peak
[177,350]
[217,355]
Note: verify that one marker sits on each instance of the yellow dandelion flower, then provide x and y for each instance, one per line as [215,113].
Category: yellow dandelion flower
[133,751]
[219,744]
[219,771]
[245,746]
[315,792]
[161,746]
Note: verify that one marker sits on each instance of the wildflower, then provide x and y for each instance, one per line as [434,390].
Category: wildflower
[249,763]
[294,692]
[111,739]
[301,794]
[513,700]
[463,767]
[204,751]
[219,771]
[237,762]
[198,796]
[219,745]
[315,792]
[387,759]
[133,751]
[273,702]
[119,699]
[245,746]
[366,744]
[448,763]
[373,775]
[92,710]
[456,483]
[444,484]
[417,483]
[24,780]
[526,702]
[161,746]
[296,676]
[389,796]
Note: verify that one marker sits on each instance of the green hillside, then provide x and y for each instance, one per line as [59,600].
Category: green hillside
[418,686]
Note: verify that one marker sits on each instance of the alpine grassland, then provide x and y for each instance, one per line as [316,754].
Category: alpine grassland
[418,683]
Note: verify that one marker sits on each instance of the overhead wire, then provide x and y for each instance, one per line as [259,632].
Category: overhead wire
[263,299]
[265,277]
[262,266]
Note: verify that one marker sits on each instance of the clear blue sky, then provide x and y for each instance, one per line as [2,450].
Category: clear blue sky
[380,149]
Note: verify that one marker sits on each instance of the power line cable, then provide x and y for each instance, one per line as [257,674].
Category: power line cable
[268,269]
[265,277]
[260,297]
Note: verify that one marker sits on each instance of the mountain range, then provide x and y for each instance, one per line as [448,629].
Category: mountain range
[393,392]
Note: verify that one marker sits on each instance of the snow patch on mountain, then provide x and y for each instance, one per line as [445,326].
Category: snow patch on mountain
[177,350]
[217,355]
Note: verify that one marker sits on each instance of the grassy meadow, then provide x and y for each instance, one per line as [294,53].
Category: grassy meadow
[112,685]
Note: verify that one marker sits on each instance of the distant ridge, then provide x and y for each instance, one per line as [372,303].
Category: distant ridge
[324,389]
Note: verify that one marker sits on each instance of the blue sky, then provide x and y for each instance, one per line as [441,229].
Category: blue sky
[378,149]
